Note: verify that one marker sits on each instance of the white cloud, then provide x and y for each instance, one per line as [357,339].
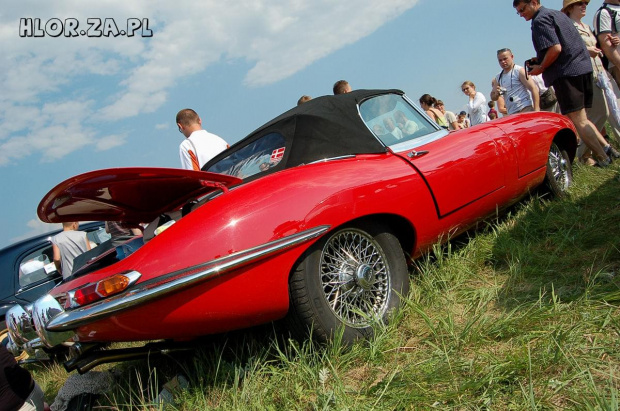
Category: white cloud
[48,102]
[53,131]
[111,141]
[162,126]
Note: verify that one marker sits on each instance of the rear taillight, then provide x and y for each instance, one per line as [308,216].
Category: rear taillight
[107,287]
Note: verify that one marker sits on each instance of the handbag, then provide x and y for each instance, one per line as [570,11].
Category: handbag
[548,98]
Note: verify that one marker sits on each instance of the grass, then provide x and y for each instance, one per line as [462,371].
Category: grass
[523,314]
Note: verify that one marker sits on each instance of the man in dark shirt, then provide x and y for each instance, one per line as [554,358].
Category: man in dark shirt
[564,62]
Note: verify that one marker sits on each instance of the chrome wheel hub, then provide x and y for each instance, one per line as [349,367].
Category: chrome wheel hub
[364,277]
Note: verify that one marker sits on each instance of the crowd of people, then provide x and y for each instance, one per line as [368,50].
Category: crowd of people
[567,76]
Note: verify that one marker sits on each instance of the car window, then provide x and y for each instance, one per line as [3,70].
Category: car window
[258,156]
[37,266]
[393,120]
[97,237]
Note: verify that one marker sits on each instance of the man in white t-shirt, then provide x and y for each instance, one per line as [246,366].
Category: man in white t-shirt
[606,26]
[199,145]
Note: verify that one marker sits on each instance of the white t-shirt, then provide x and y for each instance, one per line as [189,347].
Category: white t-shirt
[539,83]
[477,109]
[603,23]
[200,146]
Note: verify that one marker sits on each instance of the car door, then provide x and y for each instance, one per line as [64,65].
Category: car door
[460,168]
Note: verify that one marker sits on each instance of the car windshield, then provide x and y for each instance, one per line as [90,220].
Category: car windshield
[393,120]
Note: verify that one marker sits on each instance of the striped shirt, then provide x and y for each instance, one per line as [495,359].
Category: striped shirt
[551,27]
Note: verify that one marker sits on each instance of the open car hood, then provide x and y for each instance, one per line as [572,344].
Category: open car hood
[133,195]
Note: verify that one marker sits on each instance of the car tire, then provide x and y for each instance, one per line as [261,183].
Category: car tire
[4,335]
[559,174]
[351,279]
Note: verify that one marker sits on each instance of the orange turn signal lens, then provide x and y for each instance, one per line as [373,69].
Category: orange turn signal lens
[112,285]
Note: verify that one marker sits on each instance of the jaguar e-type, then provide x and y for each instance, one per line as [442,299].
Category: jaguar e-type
[312,218]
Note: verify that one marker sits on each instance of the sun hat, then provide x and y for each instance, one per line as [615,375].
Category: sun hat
[568,3]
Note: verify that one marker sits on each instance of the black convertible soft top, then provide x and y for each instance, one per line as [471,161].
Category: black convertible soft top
[324,127]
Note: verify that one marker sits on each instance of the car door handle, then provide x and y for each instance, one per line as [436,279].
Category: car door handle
[414,154]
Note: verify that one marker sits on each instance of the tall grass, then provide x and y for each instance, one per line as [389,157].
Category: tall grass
[521,314]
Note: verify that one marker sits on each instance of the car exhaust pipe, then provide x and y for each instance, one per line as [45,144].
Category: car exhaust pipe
[91,359]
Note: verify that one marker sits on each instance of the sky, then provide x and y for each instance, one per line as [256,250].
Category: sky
[73,104]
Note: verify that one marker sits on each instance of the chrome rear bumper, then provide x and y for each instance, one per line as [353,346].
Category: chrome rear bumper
[27,326]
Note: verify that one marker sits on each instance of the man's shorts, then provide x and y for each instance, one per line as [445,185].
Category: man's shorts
[574,93]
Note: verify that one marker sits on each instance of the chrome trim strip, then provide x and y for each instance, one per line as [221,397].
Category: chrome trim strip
[148,291]
[325,160]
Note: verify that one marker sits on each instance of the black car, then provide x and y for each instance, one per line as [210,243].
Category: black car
[27,269]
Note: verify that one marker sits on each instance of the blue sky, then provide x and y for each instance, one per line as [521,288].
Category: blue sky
[72,105]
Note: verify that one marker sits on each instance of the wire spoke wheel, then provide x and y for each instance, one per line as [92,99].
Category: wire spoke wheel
[559,175]
[355,278]
[350,280]
[559,167]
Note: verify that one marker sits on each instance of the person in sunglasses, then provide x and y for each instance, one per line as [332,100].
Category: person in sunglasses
[599,112]
[564,62]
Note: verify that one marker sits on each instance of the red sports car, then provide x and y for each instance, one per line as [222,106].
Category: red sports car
[312,218]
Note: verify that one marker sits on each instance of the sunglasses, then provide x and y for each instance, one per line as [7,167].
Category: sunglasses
[521,10]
